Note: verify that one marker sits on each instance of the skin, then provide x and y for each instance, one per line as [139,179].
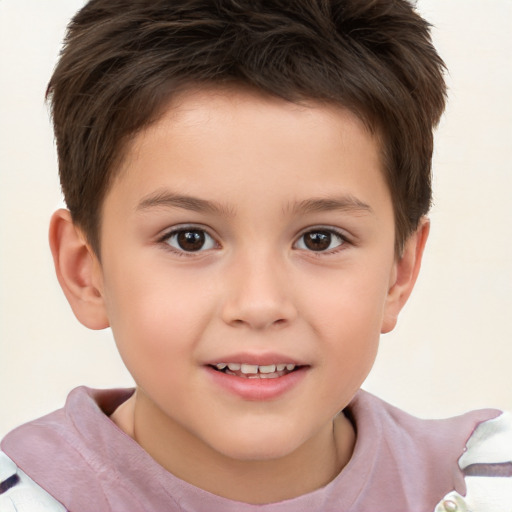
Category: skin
[274,174]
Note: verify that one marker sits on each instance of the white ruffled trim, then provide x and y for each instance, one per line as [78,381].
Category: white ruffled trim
[491,443]
[25,495]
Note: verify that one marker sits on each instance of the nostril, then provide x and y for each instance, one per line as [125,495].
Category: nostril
[255,323]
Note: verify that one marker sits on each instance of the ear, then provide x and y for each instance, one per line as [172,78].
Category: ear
[78,271]
[405,273]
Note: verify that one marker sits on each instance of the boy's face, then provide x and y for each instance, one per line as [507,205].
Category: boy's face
[243,229]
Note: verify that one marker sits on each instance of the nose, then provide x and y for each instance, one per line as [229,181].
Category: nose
[258,294]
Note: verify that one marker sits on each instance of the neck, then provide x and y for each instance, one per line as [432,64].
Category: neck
[311,466]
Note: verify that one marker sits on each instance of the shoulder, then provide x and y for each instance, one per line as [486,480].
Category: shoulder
[71,453]
[19,493]
[431,441]
[487,467]
[466,460]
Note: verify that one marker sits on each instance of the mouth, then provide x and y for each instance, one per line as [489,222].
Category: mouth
[253,371]
[271,379]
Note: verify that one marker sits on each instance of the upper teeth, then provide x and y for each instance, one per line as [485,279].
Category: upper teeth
[254,368]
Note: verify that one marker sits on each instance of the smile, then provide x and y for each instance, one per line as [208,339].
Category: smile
[253,382]
[252,371]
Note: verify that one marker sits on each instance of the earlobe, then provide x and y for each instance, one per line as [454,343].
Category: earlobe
[406,271]
[78,271]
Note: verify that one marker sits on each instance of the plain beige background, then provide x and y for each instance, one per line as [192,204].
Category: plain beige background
[452,349]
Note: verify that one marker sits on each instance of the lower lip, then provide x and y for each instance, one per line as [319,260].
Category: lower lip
[258,389]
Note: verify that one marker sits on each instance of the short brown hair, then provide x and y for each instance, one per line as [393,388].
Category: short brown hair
[123,60]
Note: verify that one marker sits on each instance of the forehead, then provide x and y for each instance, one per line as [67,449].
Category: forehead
[213,140]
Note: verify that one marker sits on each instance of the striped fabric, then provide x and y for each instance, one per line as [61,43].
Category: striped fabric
[18,493]
[487,468]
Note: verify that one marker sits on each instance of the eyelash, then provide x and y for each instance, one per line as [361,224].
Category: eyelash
[165,240]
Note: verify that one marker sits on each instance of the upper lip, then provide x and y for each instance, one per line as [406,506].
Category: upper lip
[259,359]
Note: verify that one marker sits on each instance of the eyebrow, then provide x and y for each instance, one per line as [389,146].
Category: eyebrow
[347,203]
[167,199]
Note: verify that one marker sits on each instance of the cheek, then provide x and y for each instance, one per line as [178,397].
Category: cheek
[347,313]
[351,302]
[155,321]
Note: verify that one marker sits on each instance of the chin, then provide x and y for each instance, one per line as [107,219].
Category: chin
[257,447]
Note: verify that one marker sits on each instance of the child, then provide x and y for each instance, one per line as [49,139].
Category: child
[247,185]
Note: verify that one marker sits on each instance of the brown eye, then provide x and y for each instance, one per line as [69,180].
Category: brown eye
[190,240]
[320,240]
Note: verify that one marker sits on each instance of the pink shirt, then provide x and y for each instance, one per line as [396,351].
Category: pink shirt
[400,463]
